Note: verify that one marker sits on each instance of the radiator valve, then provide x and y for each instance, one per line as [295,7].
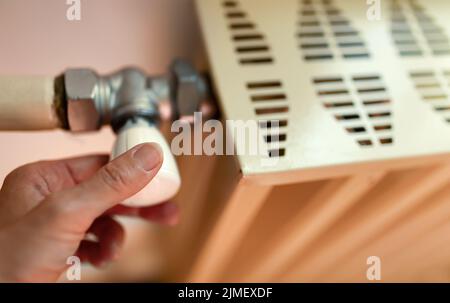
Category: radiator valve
[130,101]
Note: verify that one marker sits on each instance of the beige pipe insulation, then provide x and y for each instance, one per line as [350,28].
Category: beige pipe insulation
[28,103]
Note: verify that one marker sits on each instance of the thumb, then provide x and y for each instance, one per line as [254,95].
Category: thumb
[116,181]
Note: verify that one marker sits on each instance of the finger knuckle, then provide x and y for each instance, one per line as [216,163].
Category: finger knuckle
[25,172]
[18,172]
[115,177]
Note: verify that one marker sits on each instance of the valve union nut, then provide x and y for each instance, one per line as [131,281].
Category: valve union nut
[81,89]
[188,89]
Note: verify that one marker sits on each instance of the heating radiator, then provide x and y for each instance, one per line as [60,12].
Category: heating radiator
[362,148]
[363,162]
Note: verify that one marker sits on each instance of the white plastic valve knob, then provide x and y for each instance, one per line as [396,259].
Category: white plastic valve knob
[167,182]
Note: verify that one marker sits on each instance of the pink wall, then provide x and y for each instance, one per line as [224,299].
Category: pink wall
[36,38]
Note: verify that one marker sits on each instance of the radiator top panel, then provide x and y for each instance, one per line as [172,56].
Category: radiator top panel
[345,90]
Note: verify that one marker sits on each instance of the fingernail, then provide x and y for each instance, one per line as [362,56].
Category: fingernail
[104,264]
[170,209]
[148,156]
[115,251]
[171,213]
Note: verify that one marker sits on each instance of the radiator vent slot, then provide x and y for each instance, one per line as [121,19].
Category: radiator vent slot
[271,106]
[361,104]
[415,32]
[434,89]
[249,42]
[324,33]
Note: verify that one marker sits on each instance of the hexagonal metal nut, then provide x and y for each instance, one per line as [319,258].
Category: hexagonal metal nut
[187,88]
[81,90]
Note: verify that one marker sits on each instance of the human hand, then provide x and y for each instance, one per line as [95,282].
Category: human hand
[48,207]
